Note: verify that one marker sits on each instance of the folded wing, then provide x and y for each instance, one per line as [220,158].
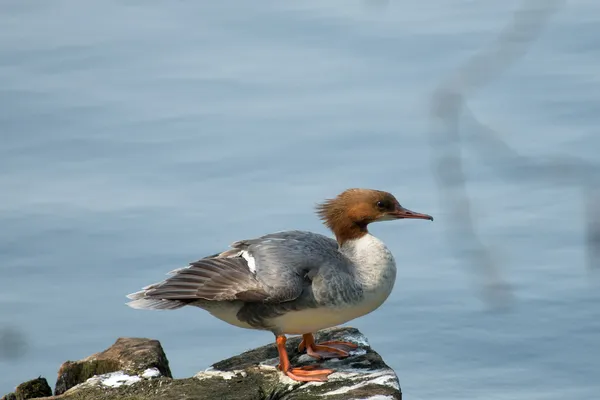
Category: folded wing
[274,268]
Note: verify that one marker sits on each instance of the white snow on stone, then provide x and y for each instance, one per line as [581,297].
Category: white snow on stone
[384,377]
[314,384]
[151,373]
[358,352]
[114,379]
[377,397]
[286,380]
[119,378]
[227,375]
[359,339]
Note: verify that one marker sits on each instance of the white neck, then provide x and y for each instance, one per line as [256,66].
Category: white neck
[374,263]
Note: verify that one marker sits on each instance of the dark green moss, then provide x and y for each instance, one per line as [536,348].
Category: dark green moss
[363,392]
[73,373]
[32,389]
[133,355]
[248,388]
[250,381]
[138,354]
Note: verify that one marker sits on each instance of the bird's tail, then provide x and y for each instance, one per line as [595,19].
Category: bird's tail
[142,302]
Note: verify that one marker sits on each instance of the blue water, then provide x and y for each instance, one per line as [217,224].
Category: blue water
[139,136]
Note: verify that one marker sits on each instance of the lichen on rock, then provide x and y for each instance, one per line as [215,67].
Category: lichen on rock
[132,355]
[32,389]
[362,375]
[249,376]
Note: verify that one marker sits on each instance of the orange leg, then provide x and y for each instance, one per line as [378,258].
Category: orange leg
[303,374]
[330,349]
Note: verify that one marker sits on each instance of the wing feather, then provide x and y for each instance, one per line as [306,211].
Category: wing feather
[218,279]
[274,268]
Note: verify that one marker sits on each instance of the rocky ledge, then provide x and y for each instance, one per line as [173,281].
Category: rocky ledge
[137,369]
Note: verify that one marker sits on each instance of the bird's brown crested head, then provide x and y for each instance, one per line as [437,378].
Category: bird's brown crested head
[349,213]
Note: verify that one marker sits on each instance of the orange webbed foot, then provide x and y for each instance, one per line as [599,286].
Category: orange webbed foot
[309,373]
[325,350]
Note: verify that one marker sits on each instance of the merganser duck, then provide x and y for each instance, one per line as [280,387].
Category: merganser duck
[294,282]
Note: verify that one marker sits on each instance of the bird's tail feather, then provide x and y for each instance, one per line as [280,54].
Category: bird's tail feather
[141,302]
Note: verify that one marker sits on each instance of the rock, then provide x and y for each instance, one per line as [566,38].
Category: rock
[363,375]
[32,389]
[252,376]
[134,356]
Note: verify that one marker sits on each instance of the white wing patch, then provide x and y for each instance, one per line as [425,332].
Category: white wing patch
[250,260]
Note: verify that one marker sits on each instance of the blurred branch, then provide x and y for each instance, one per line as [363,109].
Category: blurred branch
[449,110]
[511,44]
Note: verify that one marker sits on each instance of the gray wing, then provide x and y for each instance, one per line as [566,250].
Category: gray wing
[287,262]
[210,279]
[273,268]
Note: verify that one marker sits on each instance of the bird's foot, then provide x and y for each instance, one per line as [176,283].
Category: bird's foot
[308,373]
[325,350]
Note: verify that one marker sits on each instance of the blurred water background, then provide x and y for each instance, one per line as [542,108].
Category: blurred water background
[138,136]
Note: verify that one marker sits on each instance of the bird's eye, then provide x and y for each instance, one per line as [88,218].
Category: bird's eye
[381,204]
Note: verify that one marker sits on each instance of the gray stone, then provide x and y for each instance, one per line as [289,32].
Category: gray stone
[253,376]
[32,389]
[132,355]
[363,375]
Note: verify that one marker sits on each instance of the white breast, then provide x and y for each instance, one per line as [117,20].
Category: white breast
[314,319]
[376,272]
[375,264]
